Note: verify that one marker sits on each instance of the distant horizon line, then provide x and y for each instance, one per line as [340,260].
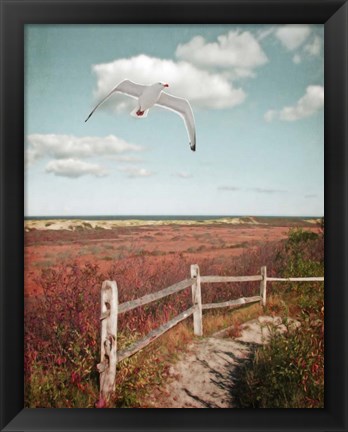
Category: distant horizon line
[165,215]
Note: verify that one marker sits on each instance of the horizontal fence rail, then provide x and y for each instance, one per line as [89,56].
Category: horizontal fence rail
[238,302]
[110,309]
[304,279]
[125,307]
[215,279]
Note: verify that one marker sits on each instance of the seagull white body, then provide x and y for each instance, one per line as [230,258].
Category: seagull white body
[148,96]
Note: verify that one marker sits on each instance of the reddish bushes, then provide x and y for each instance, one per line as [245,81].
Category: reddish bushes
[62,327]
[61,334]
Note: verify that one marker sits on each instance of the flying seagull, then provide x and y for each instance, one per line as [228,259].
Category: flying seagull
[148,96]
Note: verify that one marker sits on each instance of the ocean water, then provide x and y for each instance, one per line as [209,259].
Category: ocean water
[128,217]
[160,217]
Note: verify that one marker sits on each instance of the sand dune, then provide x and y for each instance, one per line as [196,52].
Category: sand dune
[80,224]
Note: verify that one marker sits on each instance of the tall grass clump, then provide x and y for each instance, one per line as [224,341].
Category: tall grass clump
[289,371]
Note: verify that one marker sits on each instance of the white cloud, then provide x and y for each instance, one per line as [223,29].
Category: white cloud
[183,175]
[69,146]
[314,47]
[133,171]
[307,105]
[264,32]
[202,88]
[292,35]
[270,115]
[237,50]
[266,190]
[297,59]
[229,188]
[31,156]
[74,168]
[126,158]
[256,189]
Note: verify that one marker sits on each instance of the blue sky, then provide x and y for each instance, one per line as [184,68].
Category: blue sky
[257,96]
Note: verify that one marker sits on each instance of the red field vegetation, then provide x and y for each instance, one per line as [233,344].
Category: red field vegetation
[63,276]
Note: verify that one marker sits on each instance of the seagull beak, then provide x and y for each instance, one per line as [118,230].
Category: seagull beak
[166,85]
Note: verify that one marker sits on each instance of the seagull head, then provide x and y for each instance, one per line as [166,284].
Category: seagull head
[163,84]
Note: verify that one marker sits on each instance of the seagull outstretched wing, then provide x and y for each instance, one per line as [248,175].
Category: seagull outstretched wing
[127,87]
[183,108]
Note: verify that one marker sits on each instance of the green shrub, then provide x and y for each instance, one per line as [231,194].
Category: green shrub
[289,371]
[302,255]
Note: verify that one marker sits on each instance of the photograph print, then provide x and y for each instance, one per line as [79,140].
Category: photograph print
[174,216]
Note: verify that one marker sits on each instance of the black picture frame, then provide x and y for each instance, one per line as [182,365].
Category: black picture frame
[14,15]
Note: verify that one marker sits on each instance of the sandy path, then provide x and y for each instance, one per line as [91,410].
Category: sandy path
[203,377]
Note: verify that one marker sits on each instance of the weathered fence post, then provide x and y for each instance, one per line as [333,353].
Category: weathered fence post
[263,286]
[108,351]
[197,301]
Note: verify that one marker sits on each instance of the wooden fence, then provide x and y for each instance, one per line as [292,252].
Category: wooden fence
[110,309]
